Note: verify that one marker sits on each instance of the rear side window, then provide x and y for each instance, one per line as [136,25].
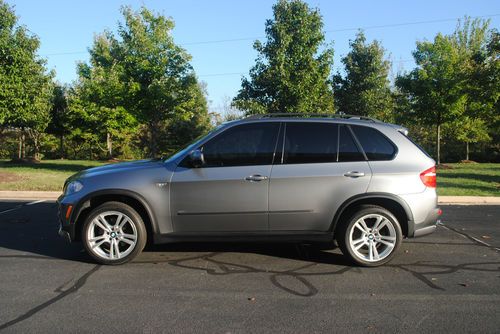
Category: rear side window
[307,143]
[375,144]
[348,150]
[242,145]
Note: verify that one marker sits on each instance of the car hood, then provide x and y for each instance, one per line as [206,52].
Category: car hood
[117,167]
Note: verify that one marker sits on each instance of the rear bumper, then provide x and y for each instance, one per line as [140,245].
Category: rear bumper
[428,225]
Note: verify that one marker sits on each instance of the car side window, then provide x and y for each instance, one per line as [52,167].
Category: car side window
[375,144]
[242,145]
[310,143]
[348,150]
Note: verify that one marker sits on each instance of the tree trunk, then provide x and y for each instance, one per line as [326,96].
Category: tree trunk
[37,148]
[109,145]
[467,151]
[438,144]
[61,146]
[23,145]
[153,146]
[20,150]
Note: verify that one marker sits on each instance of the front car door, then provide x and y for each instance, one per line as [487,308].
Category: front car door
[321,167]
[229,193]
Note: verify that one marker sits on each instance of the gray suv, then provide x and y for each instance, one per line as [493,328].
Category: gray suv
[302,178]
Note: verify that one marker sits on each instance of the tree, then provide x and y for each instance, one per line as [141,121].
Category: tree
[290,73]
[25,83]
[162,86]
[470,130]
[433,88]
[60,116]
[364,90]
[140,76]
[481,80]
[101,91]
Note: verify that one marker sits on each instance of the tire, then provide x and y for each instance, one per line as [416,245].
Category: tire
[363,244]
[114,233]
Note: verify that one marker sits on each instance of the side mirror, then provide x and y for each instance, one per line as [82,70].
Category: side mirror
[196,158]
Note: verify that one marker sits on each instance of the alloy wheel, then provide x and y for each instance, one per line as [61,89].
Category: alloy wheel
[372,237]
[112,235]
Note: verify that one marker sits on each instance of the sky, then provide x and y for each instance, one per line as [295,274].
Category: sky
[219,33]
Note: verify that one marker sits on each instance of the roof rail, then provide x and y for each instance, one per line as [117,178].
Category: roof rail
[311,115]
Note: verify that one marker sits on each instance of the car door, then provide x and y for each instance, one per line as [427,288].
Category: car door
[229,192]
[321,167]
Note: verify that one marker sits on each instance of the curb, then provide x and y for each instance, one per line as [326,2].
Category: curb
[469,200]
[442,200]
[29,195]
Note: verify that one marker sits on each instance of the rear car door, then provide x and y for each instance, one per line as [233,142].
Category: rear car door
[230,191]
[321,167]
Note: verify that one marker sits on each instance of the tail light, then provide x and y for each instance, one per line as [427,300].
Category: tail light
[428,177]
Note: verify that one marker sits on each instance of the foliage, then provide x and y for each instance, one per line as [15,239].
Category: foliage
[456,83]
[434,88]
[60,116]
[162,88]
[141,76]
[364,90]
[291,74]
[25,84]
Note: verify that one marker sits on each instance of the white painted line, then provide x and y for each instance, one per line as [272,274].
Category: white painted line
[12,209]
[36,202]
[485,243]
[17,207]
[470,236]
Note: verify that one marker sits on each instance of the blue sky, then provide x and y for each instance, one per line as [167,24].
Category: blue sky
[66,29]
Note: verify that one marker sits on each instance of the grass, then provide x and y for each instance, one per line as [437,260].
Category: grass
[457,180]
[48,175]
[469,179]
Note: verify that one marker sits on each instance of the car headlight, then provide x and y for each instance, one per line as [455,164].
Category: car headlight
[73,187]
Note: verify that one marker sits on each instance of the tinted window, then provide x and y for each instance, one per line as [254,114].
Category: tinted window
[348,150]
[310,143]
[242,145]
[375,144]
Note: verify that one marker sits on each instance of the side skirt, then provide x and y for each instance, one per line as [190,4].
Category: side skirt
[266,236]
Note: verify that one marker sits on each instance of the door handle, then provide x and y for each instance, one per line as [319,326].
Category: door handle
[255,178]
[354,174]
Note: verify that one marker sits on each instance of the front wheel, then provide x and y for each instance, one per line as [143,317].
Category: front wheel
[114,233]
[370,237]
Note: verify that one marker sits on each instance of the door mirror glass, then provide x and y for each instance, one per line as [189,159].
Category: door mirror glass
[196,158]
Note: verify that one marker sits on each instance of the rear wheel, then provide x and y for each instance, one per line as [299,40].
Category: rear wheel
[114,233]
[370,236]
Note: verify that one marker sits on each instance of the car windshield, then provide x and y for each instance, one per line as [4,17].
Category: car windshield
[192,145]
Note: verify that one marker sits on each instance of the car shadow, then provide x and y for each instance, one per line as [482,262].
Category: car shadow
[30,232]
[33,231]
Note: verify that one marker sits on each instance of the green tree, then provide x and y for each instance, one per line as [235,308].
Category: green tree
[364,90]
[470,131]
[480,73]
[140,76]
[60,117]
[25,83]
[433,88]
[101,92]
[162,88]
[291,74]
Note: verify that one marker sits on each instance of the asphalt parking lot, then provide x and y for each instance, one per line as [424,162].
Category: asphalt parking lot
[447,281]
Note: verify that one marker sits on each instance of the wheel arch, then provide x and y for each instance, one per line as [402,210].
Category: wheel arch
[396,205]
[131,198]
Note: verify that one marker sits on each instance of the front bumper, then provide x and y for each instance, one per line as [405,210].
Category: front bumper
[66,228]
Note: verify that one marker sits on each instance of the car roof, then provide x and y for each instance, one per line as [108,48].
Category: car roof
[331,118]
